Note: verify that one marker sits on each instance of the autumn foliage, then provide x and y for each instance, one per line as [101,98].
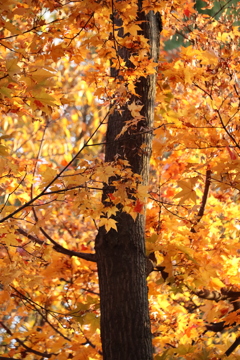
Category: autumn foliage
[56,95]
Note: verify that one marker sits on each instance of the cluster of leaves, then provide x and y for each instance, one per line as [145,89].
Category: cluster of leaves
[55,95]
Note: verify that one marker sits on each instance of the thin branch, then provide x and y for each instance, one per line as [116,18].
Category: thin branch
[25,346]
[214,16]
[79,32]
[7,47]
[225,183]
[3,77]
[174,214]
[90,291]
[21,181]
[27,31]
[73,188]
[220,117]
[205,194]
[88,342]
[34,304]
[41,314]
[43,192]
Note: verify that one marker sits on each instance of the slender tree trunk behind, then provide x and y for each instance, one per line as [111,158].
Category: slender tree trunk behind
[125,324]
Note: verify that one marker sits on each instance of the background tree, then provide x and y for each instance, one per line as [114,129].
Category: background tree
[59,192]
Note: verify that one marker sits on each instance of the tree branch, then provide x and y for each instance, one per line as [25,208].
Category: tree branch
[43,192]
[220,117]
[216,327]
[88,342]
[204,199]
[57,247]
[224,294]
[25,346]
[233,346]
[22,296]
[205,194]
[27,31]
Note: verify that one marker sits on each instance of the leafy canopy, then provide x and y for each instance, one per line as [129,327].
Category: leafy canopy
[56,94]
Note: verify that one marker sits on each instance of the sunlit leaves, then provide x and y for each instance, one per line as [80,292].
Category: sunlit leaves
[55,89]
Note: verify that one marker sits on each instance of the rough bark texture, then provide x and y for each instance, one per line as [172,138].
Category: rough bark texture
[125,325]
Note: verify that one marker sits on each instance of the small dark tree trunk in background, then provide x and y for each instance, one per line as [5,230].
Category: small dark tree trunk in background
[125,324]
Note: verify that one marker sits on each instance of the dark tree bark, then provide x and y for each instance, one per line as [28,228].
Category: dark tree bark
[125,324]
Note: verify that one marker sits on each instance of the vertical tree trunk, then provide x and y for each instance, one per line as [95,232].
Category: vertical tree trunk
[125,325]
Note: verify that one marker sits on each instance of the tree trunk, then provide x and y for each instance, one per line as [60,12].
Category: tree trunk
[125,324]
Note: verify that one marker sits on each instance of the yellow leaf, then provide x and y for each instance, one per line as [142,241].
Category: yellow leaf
[10,27]
[187,192]
[108,223]
[93,320]
[216,283]
[187,251]
[5,91]
[12,66]
[135,109]
[41,74]
[3,150]
[208,57]
[48,174]
[163,302]
[46,99]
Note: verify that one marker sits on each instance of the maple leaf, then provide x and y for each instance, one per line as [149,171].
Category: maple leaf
[109,223]
[138,207]
[3,150]
[189,9]
[187,193]
[135,110]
